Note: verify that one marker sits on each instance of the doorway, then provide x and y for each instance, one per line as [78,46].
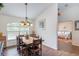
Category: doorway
[65,35]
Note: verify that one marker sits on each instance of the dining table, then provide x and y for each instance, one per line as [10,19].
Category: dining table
[29,40]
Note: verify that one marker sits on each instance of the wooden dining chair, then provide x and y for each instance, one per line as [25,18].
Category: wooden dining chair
[21,47]
[36,49]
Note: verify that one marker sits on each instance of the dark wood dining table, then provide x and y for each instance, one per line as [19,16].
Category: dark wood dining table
[29,42]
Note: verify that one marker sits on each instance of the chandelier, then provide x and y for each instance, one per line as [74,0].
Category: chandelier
[60,13]
[26,22]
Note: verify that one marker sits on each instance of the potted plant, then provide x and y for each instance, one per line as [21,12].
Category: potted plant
[1,6]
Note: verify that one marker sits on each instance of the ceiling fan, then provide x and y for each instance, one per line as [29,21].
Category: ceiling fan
[60,13]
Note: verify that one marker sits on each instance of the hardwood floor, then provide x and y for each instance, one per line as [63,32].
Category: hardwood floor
[11,51]
[52,52]
[65,48]
[46,51]
[65,45]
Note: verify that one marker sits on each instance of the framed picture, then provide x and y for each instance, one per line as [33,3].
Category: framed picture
[42,24]
[77,25]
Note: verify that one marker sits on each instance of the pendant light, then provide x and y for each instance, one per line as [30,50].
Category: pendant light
[26,22]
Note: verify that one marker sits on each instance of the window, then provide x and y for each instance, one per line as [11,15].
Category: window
[14,29]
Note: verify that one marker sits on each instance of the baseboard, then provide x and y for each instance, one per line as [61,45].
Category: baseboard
[49,46]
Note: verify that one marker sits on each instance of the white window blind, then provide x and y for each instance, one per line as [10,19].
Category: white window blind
[14,29]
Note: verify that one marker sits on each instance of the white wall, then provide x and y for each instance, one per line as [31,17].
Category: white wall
[48,34]
[75,36]
[4,20]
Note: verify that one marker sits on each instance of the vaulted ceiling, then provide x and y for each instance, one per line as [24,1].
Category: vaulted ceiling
[14,9]
[32,10]
[69,11]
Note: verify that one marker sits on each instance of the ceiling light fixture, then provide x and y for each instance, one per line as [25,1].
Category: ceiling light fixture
[26,22]
[60,13]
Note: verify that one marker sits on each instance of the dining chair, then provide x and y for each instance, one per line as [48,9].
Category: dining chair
[36,49]
[21,47]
